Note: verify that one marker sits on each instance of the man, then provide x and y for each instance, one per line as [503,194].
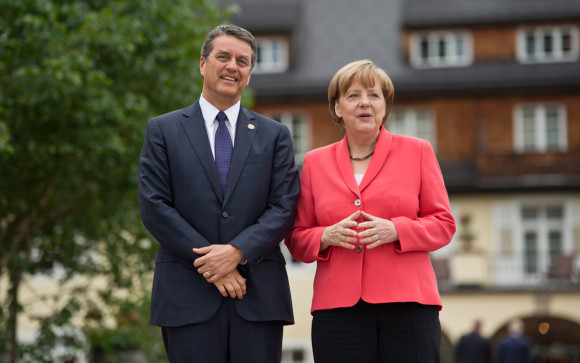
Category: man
[220,288]
[472,347]
[515,347]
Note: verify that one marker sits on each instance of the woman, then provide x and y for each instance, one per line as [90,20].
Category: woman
[371,208]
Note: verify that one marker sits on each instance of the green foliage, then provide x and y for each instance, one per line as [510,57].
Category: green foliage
[78,81]
[131,332]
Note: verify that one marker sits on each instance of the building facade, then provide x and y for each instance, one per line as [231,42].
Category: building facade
[495,87]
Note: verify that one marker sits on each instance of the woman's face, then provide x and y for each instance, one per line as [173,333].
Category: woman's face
[362,109]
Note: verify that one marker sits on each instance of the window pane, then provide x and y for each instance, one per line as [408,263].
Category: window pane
[555,213]
[398,123]
[566,41]
[529,129]
[423,125]
[530,43]
[552,128]
[530,213]
[530,252]
[276,52]
[259,53]
[555,245]
[548,43]
[424,49]
[442,52]
[459,46]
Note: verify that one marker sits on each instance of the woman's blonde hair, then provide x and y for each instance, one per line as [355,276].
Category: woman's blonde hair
[366,72]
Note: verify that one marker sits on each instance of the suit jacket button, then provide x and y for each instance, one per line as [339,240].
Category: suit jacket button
[359,248]
[357,202]
[225,214]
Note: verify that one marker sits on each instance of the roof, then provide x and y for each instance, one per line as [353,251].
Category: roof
[429,13]
[327,34]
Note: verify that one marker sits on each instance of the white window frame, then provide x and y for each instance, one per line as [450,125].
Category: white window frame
[452,57]
[269,62]
[540,137]
[507,216]
[557,54]
[302,143]
[411,120]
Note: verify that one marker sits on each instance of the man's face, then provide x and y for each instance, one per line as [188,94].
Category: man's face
[226,71]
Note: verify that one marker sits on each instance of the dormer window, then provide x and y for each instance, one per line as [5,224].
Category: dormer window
[547,44]
[441,49]
[273,55]
[540,128]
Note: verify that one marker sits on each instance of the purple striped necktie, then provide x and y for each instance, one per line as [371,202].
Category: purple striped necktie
[223,151]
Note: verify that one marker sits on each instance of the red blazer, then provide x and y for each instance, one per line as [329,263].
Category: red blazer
[403,183]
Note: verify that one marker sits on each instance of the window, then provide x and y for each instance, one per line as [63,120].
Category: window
[541,239]
[547,44]
[414,122]
[542,228]
[272,55]
[299,129]
[441,49]
[540,128]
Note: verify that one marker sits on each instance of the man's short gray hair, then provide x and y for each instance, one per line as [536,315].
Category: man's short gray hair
[233,30]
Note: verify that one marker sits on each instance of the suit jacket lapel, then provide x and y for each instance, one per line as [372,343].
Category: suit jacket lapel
[244,138]
[194,127]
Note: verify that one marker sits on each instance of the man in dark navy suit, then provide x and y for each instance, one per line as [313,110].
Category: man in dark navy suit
[218,189]
[515,347]
[473,347]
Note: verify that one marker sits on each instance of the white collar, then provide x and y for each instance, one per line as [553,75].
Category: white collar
[210,112]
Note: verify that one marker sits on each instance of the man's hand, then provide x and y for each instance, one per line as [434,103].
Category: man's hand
[232,284]
[217,261]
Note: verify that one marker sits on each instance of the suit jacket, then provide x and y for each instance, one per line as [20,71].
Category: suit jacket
[403,183]
[182,206]
[514,349]
[472,348]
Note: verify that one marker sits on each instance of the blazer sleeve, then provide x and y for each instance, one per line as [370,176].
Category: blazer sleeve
[164,222]
[257,240]
[303,242]
[434,226]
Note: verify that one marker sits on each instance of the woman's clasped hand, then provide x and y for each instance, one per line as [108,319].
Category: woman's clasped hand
[374,232]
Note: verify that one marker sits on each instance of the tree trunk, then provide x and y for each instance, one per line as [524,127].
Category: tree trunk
[14,308]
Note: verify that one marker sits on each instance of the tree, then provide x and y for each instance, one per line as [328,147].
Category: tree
[78,80]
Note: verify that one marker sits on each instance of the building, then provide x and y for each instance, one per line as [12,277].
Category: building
[495,87]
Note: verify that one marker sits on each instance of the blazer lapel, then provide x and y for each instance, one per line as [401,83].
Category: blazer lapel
[244,138]
[382,148]
[344,166]
[196,132]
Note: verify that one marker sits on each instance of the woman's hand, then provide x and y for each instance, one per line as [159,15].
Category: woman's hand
[377,231]
[340,234]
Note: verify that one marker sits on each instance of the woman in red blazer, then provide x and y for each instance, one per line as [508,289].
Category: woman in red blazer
[371,208]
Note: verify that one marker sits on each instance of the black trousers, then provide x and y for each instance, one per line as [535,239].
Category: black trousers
[225,338]
[368,333]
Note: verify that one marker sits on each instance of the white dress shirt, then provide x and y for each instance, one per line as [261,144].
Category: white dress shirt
[210,112]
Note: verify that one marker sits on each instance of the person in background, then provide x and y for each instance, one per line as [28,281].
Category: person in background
[371,208]
[515,347]
[218,189]
[473,347]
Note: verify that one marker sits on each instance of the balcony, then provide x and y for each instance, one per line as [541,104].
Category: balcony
[520,270]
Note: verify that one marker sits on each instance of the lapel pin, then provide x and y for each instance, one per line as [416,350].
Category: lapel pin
[251,126]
